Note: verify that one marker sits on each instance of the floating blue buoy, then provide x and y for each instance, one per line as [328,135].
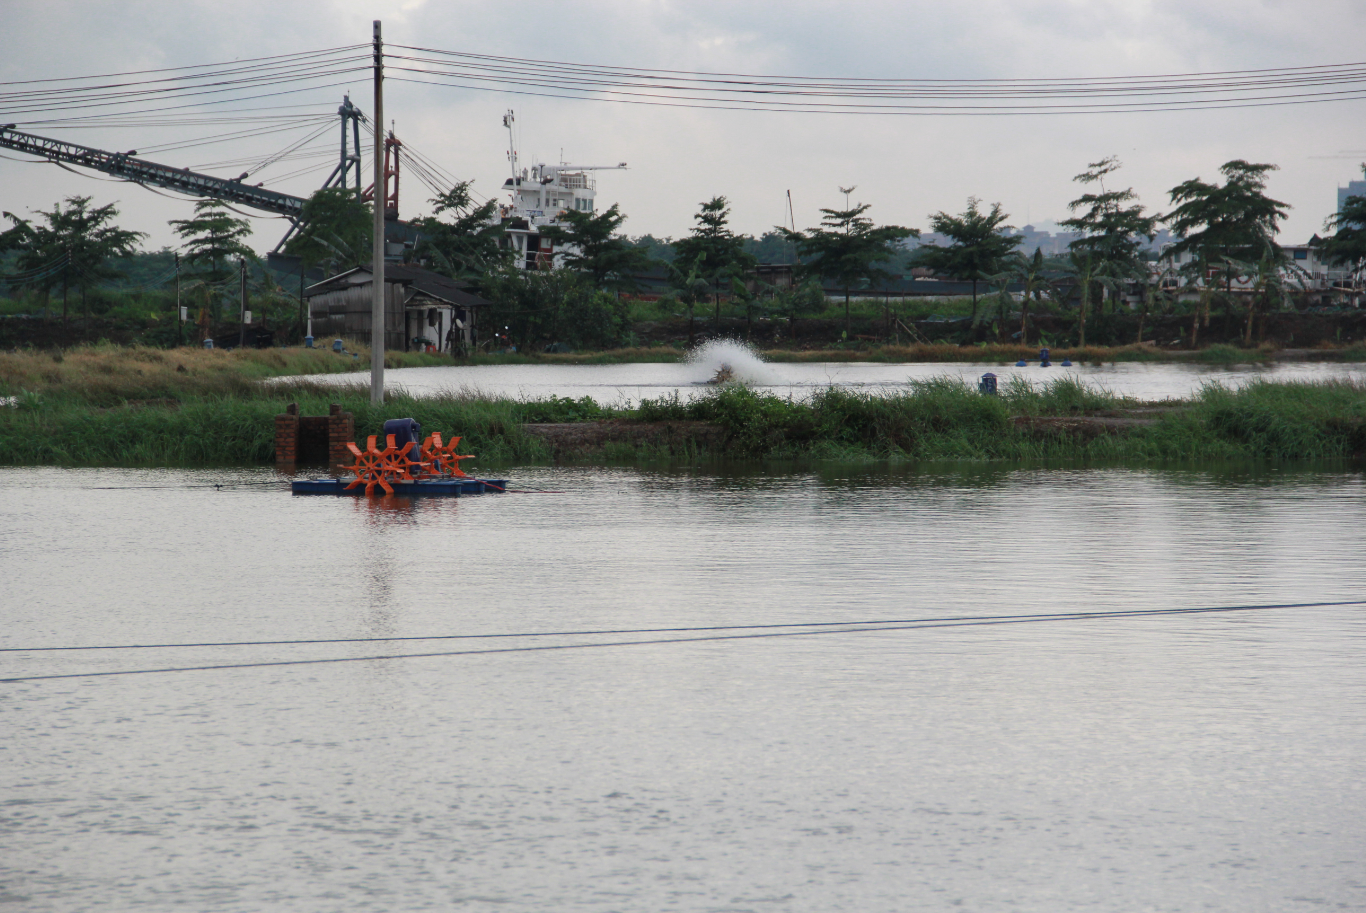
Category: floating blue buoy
[1021,363]
[1043,358]
[987,385]
[1067,362]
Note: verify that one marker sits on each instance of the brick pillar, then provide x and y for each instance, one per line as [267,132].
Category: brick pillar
[287,436]
[341,430]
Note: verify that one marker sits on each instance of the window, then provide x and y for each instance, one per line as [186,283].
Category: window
[1301,255]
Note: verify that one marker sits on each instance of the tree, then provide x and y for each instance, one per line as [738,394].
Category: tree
[214,239]
[539,307]
[337,230]
[85,237]
[1347,246]
[1088,270]
[466,246]
[656,248]
[1219,224]
[1111,231]
[595,248]
[847,247]
[1109,228]
[713,250]
[1270,280]
[796,300]
[690,288]
[1027,272]
[770,247]
[978,247]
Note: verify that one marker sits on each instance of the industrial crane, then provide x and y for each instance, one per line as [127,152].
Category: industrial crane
[125,165]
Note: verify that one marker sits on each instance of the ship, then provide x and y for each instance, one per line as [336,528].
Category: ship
[538,196]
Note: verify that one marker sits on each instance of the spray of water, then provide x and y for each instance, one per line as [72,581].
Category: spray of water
[746,365]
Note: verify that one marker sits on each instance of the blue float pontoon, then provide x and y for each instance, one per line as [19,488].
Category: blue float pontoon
[446,487]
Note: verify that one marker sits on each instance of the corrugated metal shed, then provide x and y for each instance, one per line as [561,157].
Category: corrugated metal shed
[421,308]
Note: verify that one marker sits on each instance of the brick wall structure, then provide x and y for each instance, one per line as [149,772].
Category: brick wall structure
[341,430]
[313,438]
[287,436]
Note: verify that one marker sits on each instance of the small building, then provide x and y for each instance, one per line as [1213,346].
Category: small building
[421,308]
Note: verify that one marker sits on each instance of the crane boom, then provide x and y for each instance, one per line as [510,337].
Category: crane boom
[140,171]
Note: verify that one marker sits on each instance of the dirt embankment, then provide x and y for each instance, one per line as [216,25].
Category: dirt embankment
[581,438]
[1090,426]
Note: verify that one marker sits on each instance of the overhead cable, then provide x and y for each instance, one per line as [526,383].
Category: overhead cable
[755,632]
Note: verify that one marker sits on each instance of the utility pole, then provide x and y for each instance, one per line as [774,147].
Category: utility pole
[179,324]
[304,306]
[66,283]
[242,330]
[377,266]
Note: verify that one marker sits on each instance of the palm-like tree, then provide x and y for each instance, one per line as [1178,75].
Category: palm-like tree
[1028,273]
[1089,269]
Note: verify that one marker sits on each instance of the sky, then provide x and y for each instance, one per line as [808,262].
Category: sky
[906,167]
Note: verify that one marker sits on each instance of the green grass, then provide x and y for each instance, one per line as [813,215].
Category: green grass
[104,406]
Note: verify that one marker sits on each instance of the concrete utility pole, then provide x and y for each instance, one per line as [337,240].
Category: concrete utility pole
[178,322]
[242,332]
[377,266]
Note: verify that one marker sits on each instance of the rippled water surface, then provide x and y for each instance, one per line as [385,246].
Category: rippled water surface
[1149,762]
[629,383]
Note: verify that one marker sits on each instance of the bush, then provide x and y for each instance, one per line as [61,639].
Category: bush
[535,309]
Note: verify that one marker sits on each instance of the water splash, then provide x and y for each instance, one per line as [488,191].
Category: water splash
[745,363]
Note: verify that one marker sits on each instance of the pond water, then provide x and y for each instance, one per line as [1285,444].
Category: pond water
[1147,762]
[627,384]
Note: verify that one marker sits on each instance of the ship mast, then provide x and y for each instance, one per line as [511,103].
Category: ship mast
[508,121]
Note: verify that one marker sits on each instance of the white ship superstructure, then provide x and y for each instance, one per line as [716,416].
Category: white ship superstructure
[539,195]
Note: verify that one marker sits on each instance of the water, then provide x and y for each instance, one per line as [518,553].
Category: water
[627,384]
[1174,763]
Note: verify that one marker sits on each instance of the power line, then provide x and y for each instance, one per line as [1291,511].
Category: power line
[757,632]
[222,76]
[129,98]
[846,95]
[193,66]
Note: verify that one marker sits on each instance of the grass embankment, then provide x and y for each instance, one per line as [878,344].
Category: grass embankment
[1218,354]
[110,375]
[140,409]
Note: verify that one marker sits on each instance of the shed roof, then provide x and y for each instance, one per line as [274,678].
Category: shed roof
[414,278]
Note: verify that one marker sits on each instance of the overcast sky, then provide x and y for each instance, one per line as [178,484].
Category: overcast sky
[906,167]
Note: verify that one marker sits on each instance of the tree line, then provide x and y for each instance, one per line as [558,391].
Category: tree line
[1227,227]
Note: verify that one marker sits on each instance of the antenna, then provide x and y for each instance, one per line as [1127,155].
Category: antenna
[790,216]
[508,121]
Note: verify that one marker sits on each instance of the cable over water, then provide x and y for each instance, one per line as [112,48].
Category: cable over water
[833,627]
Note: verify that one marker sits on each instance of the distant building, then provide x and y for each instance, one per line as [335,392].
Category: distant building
[1317,281]
[421,308]
[1353,189]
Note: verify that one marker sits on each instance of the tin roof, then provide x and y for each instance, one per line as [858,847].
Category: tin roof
[414,278]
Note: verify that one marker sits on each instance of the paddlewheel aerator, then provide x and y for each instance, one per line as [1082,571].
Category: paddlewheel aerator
[380,468]
[441,459]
